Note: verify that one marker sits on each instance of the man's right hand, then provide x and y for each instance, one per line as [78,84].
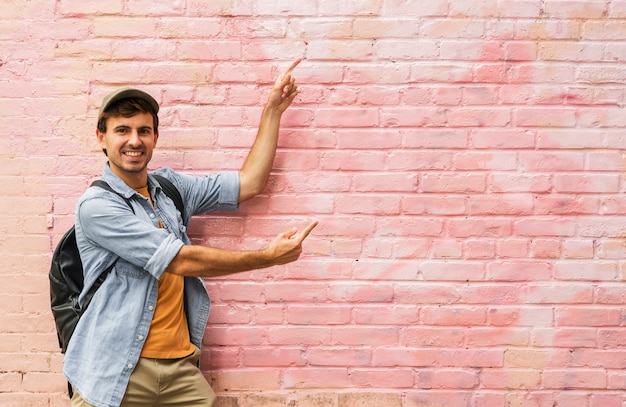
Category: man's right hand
[287,246]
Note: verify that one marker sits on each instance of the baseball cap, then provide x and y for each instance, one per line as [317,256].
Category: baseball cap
[125,93]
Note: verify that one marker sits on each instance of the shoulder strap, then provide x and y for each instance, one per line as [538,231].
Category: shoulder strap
[168,188]
[103,184]
[173,193]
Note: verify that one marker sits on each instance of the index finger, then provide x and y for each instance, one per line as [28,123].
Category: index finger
[292,67]
[306,232]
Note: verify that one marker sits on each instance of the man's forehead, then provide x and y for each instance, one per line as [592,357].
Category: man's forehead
[138,120]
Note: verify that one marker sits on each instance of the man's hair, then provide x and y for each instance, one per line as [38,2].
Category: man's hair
[127,108]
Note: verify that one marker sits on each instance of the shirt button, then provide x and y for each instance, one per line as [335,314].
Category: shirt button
[150,308]
[140,337]
[130,366]
[152,216]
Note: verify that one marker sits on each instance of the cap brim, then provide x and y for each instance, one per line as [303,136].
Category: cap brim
[126,93]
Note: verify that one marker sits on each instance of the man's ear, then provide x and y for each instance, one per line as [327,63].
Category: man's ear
[100,138]
[156,138]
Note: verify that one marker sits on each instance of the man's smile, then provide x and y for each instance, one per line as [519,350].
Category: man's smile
[133,153]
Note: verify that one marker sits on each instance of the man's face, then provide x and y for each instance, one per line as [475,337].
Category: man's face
[129,142]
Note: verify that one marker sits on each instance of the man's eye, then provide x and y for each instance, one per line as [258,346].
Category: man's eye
[122,131]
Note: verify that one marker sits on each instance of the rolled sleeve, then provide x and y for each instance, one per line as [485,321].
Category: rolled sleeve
[163,256]
[229,192]
[114,228]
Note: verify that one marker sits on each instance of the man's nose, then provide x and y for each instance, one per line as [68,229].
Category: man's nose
[134,139]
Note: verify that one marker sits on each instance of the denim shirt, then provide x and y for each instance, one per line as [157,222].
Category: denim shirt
[108,339]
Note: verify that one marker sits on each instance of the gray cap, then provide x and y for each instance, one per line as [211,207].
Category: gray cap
[125,93]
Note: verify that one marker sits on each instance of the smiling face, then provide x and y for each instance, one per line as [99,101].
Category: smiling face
[129,142]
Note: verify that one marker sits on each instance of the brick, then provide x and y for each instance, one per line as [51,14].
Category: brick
[505,139]
[575,379]
[382,378]
[301,204]
[24,399]
[387,204]
[369,398]
[516,316]
[360,292]
[519,271]
[299,335]
[381,270]
[566,204]
[563,293]
[429,398]
[611,338]
[429,337]
[379,315]
[434,205]
[606,400]
[316,398]
[467,358]
[475,249]
[146,7]
[402,8]
[247,380]
[442,378]
[569,51]
[322,314]
[273,357]
[75,7]
[580,270]
[513,379]
[307,378]
[575,9]
[565,337]
[535,359]
[410,49]
[10,382]
[500,204]
[453,316]
[43,382]
[535,117]
[492,337]
[413,117]
[339,357]
[355,335]
[545,248]
[448,270]
[243,335]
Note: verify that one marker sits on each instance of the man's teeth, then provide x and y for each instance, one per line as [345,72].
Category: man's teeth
[133,153]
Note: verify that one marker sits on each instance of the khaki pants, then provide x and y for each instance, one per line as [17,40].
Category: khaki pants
[165,382]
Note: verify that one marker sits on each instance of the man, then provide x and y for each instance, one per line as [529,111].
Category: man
[138,342]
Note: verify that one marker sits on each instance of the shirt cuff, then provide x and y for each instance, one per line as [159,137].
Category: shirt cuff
[163,256]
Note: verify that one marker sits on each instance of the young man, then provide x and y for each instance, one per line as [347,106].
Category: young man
[138,343]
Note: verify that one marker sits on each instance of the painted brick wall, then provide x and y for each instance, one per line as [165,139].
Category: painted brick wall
[464,158]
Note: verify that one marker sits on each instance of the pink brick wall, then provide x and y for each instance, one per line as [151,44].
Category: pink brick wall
[464,158]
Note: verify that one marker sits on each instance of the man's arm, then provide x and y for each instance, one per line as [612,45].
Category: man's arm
[202,261]
[258,164]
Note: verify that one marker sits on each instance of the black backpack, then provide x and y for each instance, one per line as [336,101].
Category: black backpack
[66,272]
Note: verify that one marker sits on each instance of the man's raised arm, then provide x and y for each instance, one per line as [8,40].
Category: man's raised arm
[258,164]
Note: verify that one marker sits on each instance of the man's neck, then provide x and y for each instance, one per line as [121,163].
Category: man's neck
[135,180]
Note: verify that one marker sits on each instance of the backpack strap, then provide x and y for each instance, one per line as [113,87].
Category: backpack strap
[172,192]
[103,184]
[168,188]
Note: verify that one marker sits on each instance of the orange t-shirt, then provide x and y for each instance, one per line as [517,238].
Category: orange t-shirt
[168,337]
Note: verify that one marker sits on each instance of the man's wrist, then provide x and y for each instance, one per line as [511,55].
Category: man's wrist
[272,111]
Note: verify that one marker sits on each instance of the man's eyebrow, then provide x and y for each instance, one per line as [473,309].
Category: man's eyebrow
[125,127]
